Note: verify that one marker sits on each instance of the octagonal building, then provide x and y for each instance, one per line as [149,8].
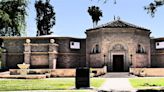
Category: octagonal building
[118,45]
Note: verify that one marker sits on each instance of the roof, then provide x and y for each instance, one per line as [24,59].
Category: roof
[118,24]
[158,39]
[39,37]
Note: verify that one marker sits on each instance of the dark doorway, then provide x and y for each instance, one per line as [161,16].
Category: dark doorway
[118,63]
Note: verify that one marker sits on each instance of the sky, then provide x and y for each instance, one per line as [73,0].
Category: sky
[72,18]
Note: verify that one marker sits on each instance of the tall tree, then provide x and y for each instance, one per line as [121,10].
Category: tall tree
[12,17]
[95,13]
[45,17]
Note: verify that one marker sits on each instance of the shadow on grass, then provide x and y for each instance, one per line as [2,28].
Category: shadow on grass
[150,90]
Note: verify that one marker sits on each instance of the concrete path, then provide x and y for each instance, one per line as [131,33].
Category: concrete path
[117,85]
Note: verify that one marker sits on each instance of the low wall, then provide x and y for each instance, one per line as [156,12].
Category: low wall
[59,72]
[147,72]
[52,72]
[98,71]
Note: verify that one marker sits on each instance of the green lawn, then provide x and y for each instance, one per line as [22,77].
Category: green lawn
[43,84]
[147,82]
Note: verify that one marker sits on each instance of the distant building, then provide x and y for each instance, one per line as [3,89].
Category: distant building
[117,45]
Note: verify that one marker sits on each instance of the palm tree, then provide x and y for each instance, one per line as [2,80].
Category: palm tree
[95,13]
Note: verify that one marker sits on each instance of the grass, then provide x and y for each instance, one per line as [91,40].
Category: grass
[147,82]
[43,84]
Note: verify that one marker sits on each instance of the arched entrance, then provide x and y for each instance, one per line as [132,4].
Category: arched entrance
[117,59]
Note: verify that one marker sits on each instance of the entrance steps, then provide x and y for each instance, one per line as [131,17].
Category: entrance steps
[118,75]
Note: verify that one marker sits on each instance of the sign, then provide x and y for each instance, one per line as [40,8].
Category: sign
[160,45]
[74,45]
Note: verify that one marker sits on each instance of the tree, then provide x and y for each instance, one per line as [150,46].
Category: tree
[45,17]
[12,17]
[152,7]
[5,22]
[95,13]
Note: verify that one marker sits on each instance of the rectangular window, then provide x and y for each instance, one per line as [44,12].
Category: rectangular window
[160,45]
[74,45]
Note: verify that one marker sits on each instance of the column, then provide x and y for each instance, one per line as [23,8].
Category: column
[52,54]
[27,51]
[4,59]
[52,60]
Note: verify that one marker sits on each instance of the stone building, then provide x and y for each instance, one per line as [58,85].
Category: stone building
[117,45]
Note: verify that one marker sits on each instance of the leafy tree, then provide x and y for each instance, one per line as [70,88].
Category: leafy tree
[5,22]
[45,17]
[12,17]
[152,7]
[95,13]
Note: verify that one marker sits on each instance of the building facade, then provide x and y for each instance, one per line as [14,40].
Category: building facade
[117,45]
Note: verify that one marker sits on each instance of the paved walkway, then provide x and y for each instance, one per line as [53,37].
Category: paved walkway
[116,85]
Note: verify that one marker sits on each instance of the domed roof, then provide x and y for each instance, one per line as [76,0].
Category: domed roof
[118,24]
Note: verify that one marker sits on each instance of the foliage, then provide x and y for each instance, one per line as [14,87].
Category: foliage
[5,21]
[95,13]
[45,17]
[43,84]
[147,82]
[12,17]
[152,7]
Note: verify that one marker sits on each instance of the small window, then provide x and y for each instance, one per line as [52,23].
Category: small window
[74,45]
[95,49]
[140,49]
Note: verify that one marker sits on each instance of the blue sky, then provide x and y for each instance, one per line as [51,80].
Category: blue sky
[72,18]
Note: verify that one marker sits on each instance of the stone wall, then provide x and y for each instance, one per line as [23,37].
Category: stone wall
[71,58]
[157,55]
[93,39]
[67,57]
[14,52]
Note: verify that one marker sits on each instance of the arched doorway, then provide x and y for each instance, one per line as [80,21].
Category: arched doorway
[117,58]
